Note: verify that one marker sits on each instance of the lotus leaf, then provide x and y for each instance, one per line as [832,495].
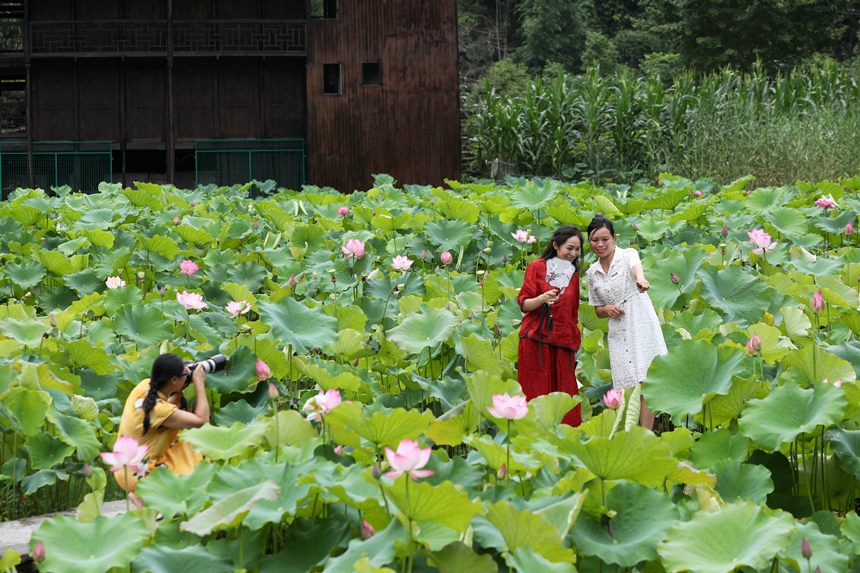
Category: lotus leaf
[27,408]
[851,530]
[27,332]
[379,549]
[479,354]
[382,428]
[721,410]
[457,557]
[297,325]
[692,372]
[25,274]
[640,519]
[34,482]
[77,433]
[451,431]
[718,446]
[528,529]
[790,411]
[72,547]
[329,375]
[145,325]
[817,364]
[737,481]
[534,194]
[739,294]
[290,429]
[425,329]
[46,451]
[171,494]
[230,510]
[224,443]
[846,446]
[160,559]
[826,551]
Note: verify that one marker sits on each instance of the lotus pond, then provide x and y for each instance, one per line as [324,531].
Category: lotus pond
[348,298]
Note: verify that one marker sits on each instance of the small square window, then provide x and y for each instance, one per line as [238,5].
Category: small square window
[331,79]
[371,74]
[324,8]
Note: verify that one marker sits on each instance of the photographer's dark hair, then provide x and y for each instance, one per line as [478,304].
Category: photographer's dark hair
[561,235]
[165,367]
[599,222]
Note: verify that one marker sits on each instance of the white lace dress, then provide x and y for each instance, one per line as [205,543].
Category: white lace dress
[635,338]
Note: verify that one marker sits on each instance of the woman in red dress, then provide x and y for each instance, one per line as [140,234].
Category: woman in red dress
[549,335]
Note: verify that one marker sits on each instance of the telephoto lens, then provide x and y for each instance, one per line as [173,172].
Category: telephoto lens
[214,364]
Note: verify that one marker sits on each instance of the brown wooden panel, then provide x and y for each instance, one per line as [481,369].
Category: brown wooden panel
[96,9]
[50,9]
[238,95]
[53,101]
[236,9]
[192,10]
[144,9]
[194,84]
[98,107]
[146,109]
[288,10]
[408,126]
[283,97]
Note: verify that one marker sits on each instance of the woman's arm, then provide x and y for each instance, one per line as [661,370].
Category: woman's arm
[641,282]
[608,311]
[548,297]
[180,419]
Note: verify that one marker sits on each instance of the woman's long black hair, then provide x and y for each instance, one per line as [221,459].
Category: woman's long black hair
[165,367]
[598,222]
[561,235]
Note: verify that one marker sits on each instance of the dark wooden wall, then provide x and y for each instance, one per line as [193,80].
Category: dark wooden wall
[407,127]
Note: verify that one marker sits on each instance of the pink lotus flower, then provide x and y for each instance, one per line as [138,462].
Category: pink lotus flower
[367,530]
[446,258]
[401,263]
[126,453]
[761,239]
[353,247]
[805,549]
[508,407]
[697,193]
[849,229]
[273,390]
[826,202]
[263,370]
[190,300]
[523,236]
[39,552]
[343,210]
[502,471]
[114,282]
[754,345]
[188,267]
[817,302]
[235,308]
[409,459]
[613,399]
[321,404]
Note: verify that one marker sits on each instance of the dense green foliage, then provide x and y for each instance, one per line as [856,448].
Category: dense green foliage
[623,128]
[757,451]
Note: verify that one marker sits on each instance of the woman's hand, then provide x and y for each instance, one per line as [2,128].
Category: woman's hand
[549,296]
[610,311]
[642,284]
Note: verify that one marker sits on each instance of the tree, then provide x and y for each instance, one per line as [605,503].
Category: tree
[555,31]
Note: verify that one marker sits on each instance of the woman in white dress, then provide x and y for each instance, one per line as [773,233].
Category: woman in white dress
[617,290]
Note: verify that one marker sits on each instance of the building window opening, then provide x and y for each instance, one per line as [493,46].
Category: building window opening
[324,9]
[331,79]
[371,74]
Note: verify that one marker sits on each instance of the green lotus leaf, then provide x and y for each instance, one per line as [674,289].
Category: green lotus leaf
[685,265]
[851,529]
[26,332]
[161,559]
[693,371]
[292,323]
[534,195]
[826,550]
[835,224]
[56,262]
[846,445]
[32,483]
[25,274]
[291,429]
[161,245]
[545,413]
[525,528]
[380,550]
[239,375]
[795,323]
[83,353]
[171,494]
[99,546]
[85,282]
[449,235]
[96,219]
[457,557]
[145,325]
[723,409]
[479,354]
[119,297]
[100,238]
[46,450]
[525,559]
[789,411]
[26,214]
[424,329]
[482,386]
[191,234]
[230,510]
[765,199]
[77,433]
[350,343]
[641,519]
[816,364]
[718,446]
[249,274]
[737,481]
[451,431]
[652,228]
[386,428]
[740,294]
[521,460]
[10,559]
[789,222]
[716,542]
[218,443]
[443,503]
[329,375]
[27,408]
[636,455]
[453,208]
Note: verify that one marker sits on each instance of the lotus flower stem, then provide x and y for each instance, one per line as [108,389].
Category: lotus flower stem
[409,549]
[125,473]
[508,440]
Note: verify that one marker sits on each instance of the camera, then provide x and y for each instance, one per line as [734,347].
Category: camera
[213,364]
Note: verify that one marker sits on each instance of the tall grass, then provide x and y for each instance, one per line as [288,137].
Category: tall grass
[723,125]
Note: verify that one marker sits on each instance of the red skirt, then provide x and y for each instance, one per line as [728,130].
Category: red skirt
[543,368]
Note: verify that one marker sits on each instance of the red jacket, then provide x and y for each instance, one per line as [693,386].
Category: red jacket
[554,325]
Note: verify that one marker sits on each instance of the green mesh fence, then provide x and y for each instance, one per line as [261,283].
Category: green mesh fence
[81,165]
[231,161]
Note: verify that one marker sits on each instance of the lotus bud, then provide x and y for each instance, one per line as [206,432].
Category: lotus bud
[343,210]
[674,278]
[192,202]
[849,229]
[39,552]
[818,569]
[660,182]
[487,250]
[423,254]
[52,319]
[724,231]
[338,449]
[88,471]
[754,345]
[377,471]
[817,302]
[446,257]
[400,287]
[176,220]
[632,242]
[497,330]
[292,282]
[635,228]
[273,391]
[504,259]
[502,472]
[263,370]
[367,530]
[333,279]
[805,549]
[256,224]
[697,193]
[355,362]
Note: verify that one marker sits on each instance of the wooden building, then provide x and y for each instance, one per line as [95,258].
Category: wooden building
[349,87]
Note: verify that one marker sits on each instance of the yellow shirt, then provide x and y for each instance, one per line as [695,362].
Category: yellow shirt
[164,448]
